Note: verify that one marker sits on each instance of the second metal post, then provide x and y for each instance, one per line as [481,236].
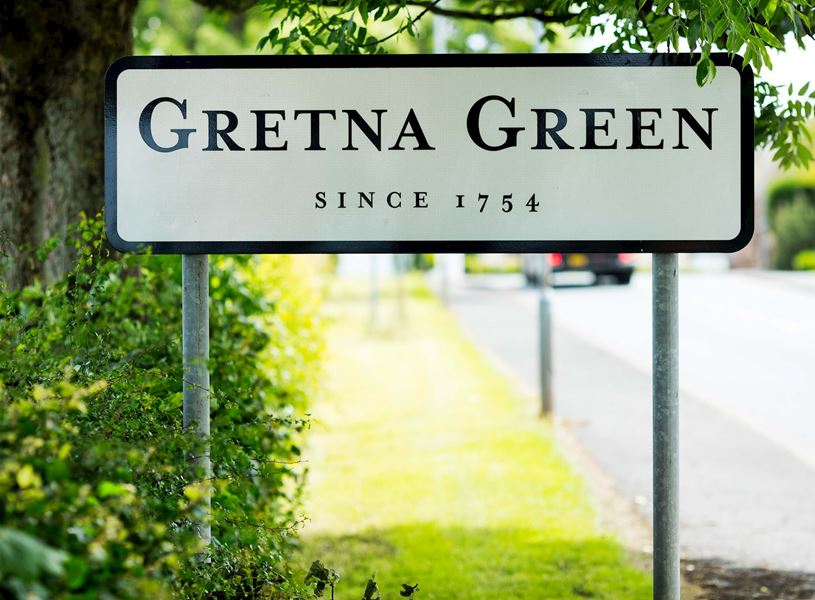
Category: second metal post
[665,290]
[545,350]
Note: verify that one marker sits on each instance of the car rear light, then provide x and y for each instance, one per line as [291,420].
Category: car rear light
[555,260]
[626,258]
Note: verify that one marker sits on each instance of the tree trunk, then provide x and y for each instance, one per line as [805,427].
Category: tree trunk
[53,56]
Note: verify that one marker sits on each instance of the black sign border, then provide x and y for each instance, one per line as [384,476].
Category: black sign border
[430,61]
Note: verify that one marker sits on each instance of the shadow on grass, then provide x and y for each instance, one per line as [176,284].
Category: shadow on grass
[453,563]
[723,581]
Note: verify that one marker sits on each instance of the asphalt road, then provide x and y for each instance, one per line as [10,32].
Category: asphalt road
[747,379]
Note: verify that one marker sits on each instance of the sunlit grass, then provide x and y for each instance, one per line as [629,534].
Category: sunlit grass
[427,467]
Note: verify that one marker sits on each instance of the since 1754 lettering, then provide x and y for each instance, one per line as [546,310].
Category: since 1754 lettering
[504,203]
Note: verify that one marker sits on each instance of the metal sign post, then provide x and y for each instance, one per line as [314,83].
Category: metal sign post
[545,345]
[665,293]
[195,323]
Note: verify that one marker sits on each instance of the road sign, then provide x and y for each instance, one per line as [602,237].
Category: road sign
[475,153]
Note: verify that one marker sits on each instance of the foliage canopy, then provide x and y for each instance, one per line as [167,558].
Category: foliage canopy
[751,28]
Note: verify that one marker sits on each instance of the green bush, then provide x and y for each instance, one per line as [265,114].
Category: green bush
[804,261]
[92,455]
[794,229]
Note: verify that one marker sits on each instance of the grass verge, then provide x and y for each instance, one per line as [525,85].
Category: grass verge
[427,467]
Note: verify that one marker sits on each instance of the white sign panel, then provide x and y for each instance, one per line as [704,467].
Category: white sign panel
[428,153]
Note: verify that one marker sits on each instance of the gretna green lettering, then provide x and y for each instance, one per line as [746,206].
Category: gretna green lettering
[538,129]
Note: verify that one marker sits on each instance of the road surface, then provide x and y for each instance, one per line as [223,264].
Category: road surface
[747,379]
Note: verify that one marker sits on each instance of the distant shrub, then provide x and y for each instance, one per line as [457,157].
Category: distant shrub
[92,455]
[794,229]
[492,263]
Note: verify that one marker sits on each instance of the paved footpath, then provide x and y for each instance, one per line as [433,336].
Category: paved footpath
[747,498]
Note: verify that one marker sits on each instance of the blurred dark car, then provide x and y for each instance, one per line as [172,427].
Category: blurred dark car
[618,267]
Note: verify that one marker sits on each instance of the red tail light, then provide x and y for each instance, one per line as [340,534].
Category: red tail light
[555,260]
[626,258]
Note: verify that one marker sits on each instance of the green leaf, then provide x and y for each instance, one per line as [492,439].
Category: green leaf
[58,470]
[660,6]
[76,572]
[26,558]
[371,590]
[791,14]
[767,36]
[27,477]
[765,55]
[106,489]
[719,29]
[703,71]
[769,10]
[693,33]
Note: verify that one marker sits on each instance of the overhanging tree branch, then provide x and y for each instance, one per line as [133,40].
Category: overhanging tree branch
[492,17]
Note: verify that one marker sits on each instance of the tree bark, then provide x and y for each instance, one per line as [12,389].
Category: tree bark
[53,56]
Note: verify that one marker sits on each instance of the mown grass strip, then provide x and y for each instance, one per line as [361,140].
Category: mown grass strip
[427,466]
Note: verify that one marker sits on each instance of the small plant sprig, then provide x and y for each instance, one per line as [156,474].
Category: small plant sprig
[371,590]
[326,578]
